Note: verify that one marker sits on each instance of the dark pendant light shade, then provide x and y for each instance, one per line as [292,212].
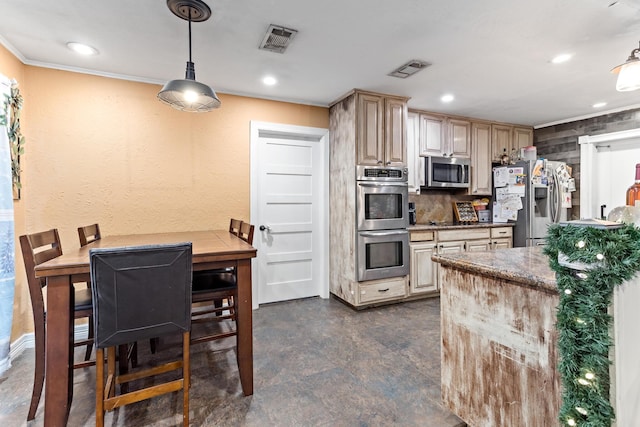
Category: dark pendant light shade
[188,94]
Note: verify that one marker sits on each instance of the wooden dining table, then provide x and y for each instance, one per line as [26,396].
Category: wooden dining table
[211,250]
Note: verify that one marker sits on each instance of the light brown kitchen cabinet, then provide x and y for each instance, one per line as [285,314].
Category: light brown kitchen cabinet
[478,245]
[381,129]
[366,128]
[415,163]
[501,237]
[459,140]
[510,138]
[424,273]
[442,136]
[481,173]
[432,134]
[423,276]
[522,137]
[501,141]
[395,137]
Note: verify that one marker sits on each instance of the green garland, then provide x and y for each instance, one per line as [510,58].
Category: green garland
[605,258]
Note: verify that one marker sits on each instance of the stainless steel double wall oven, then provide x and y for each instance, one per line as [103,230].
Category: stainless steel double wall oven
[382,221]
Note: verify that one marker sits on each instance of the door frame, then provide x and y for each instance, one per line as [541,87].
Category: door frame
[588,149]
[321,136]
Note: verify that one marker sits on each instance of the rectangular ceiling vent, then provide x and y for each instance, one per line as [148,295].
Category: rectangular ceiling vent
[409,69]
[277,38]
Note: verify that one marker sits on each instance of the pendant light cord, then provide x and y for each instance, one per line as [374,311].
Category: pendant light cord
[190,10]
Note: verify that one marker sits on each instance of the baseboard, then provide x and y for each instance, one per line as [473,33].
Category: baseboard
[28,340]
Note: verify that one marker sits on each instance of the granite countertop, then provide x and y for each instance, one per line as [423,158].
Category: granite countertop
[457,225]
[526,266]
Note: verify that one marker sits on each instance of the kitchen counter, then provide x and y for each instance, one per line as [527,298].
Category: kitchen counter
[456,225]
[523,266]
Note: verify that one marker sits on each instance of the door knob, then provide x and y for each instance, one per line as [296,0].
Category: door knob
[265,227]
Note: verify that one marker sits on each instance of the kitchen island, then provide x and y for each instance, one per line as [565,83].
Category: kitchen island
[498,315]
[499,341]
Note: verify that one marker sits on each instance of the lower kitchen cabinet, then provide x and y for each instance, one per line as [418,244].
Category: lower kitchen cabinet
[424,277]
[375,291]
[502,243]
[424,272]
[478,245]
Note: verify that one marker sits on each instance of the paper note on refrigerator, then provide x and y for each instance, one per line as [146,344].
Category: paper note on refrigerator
[497,213]
[517,190]
[500,177]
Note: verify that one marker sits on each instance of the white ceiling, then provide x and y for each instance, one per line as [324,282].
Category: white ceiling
[493,55]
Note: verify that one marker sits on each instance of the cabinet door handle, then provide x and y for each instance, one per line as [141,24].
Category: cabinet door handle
[388,163]
[379,162]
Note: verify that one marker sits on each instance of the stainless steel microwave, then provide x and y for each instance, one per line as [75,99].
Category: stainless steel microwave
[446,172]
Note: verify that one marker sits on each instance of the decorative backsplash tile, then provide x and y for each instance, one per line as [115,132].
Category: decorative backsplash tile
[436,205]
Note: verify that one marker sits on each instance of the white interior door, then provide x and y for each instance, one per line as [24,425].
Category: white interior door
[289,208]
[607,169]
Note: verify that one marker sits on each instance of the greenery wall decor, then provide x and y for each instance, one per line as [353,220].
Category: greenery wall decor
[12,107]
[589,263]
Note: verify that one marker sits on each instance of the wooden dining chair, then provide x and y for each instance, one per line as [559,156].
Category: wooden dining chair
[210,287]
[126,311]
[127,352]
[89,234]
[246,232]
[234,226]
[36,249]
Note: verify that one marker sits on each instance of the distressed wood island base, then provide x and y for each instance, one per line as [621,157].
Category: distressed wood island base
[499,352]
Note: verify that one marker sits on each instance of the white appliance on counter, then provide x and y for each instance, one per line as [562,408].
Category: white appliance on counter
[541,187]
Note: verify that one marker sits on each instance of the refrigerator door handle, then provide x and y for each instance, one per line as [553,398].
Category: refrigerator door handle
[555,199]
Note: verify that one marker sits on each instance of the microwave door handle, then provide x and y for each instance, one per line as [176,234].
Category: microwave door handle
[463,174]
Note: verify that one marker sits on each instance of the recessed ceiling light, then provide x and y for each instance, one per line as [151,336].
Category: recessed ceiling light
[269,80]
[447,98]
[599,104]
[559,59]
[82,49]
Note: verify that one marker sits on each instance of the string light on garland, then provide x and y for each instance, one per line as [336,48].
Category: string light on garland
[589,263]
[581,410]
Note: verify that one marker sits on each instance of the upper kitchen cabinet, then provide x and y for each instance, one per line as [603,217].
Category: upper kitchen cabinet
[522,137]
[480,159]
[459,141]
[431,139]
[442,136]
[501,141]
[506,138]
[415,163]
[381,129]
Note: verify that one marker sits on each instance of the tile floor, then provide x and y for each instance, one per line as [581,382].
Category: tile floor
[316,363]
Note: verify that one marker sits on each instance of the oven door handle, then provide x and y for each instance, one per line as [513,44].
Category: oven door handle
[382,233]
[382,184]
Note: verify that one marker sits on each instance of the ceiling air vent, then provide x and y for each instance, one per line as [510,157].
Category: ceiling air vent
[409,69]
[277,38]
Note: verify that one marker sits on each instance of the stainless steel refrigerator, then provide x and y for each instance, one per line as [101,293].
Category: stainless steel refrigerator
[541,203]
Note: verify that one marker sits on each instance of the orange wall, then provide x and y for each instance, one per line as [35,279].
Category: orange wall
[106,150]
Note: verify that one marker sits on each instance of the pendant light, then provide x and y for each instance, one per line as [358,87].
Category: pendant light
[188,94]
[629,73]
